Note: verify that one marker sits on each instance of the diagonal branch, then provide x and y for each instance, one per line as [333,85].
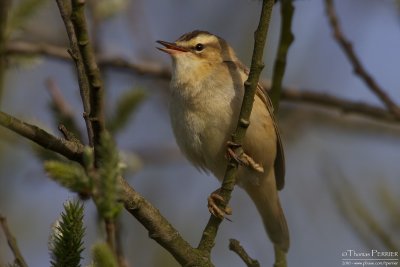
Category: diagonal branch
[355,61]
[159,228]
[235,246]
[69,149]
[209,234]
[12,242]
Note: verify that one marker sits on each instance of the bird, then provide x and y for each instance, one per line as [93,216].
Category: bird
[206,93]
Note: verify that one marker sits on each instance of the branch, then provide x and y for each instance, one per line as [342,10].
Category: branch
[235,246]
[250,85]
[346,106]
[60,53]
[159,228]
[66,11]
[358,67]
[92,90]
[12,242]
[69,149]
[92,72]
[156,71]
[286,39]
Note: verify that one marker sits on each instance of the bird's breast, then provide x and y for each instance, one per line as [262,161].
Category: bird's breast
[202,123]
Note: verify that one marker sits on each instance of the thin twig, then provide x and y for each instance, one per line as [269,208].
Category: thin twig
[92,72]
[355,61]
[302,95]
[60,53]
[66,12]
[12,242]
[210,232]
[235,246]
[286,39]
[71,150]
[343,105]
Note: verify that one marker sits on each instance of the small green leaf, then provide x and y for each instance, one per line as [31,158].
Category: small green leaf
[68,174]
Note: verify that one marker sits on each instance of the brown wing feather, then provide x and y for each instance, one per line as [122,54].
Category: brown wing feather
[279,164]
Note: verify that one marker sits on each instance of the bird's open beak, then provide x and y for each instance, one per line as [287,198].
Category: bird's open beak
[171,48]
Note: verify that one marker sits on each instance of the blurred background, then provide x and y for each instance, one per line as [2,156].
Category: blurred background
[343,172]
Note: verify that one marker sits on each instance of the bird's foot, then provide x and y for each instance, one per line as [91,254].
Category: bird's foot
[214,202]
[243,159]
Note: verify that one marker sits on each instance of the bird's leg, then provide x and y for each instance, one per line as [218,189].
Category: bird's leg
[213,200]
[243,159]
[280,257]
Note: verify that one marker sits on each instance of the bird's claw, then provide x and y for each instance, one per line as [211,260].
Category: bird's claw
[213,200]
[243,159]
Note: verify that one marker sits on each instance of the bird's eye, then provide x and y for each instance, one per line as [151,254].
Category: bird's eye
[199,47]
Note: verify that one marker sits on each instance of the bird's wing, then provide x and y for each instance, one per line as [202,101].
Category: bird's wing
[279,164]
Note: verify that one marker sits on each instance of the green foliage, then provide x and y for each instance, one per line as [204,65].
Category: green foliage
[22,12]
[106,186]
[103,256]
[126,106]
[66,244]
[68,174]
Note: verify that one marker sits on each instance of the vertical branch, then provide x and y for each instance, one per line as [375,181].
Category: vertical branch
[286,39]
[96,115]
[65,11]
[250,85]
[73,14]
[12,242]
[355,61]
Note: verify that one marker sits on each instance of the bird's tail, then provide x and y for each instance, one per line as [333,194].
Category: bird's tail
[265,196]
